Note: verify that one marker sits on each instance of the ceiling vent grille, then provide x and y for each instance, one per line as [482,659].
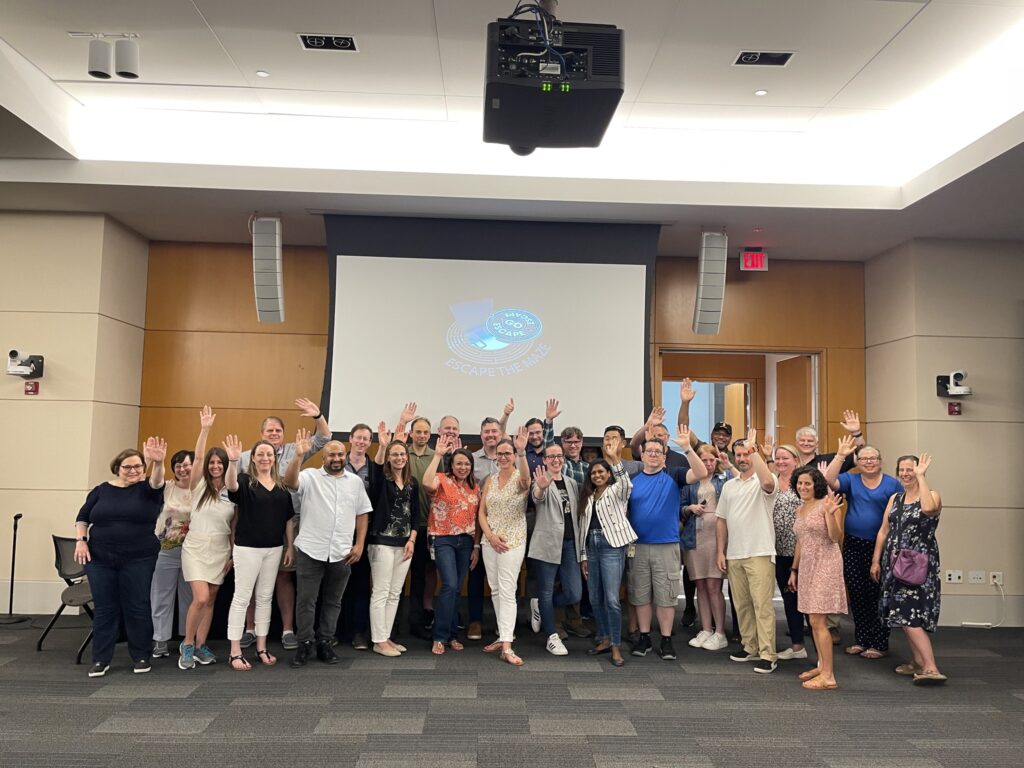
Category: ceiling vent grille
[762,58]
[344,43]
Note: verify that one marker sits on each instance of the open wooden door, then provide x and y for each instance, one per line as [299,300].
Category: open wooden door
[793,397]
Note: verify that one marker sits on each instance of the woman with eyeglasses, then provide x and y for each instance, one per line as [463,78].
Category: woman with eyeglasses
[117,546]
[910,523]
[502,520]
[168,581]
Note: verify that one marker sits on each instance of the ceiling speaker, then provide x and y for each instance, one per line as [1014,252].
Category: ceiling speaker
[707,309]
[267,275]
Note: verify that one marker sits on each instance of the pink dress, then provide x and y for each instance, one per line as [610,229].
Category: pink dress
[820,587]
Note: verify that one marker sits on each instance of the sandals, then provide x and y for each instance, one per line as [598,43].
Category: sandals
[266,658]
[810,674]
[929,677]
[909,668]
[617,661]
[245,666]
[437,648]
[455,645]
[512,658]
[492,647]
[874,653]
[855,650]
[817,684]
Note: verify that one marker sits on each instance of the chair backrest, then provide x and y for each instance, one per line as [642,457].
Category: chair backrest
[67,568]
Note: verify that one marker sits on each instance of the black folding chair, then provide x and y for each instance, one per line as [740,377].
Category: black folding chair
[77,594]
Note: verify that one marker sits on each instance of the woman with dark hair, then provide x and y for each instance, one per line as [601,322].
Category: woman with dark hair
[786,460]
[453,534]
[699,501]
[817,572]
[395,496]
[910,522]
[264,520]
[206,554]
[604,534]
[171,527]
[117,546]
[503,523]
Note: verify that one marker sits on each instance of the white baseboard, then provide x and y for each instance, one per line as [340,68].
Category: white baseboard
[981,609]
[34,597]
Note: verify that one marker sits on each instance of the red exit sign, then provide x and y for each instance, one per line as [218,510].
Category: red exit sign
[753,260]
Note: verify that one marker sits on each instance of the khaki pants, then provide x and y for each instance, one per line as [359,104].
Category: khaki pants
[753,585]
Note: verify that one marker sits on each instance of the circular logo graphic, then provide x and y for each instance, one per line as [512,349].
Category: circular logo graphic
[514,326]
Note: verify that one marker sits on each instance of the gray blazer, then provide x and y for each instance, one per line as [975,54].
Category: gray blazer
[548,532]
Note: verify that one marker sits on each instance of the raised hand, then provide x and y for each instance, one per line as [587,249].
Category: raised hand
[723,458]
[206,417]
[683,438]
[233,447]
[400,435]
[509,407]
[445,444]
[768,447]
[307,407]
[922,465]
[457,443]
[686,393]
[519,441]
[846,446]
[612,448]
[383,435]
[657,416]
[154,450]
[303,442]
[408,413]
[551,411]
[752,439]
[822,466]
[851,421]
[832,502]
[542,477]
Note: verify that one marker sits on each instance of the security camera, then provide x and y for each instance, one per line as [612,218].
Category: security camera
[956,388]
[26,366]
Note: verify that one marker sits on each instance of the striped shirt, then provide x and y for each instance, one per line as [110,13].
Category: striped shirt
[611,512]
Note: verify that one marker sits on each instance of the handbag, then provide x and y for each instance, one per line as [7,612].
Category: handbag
[910,567]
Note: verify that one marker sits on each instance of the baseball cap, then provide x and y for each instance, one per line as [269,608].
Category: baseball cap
[723,427]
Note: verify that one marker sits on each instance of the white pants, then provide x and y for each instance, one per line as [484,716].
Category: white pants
[503,578]
[388,569]
[255,568]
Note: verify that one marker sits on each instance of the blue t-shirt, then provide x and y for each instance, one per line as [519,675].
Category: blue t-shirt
[866,506]
[654,505]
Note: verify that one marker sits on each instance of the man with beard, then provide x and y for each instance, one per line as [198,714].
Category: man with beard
[746,551]
[540,434]
[355,605]
[335,507]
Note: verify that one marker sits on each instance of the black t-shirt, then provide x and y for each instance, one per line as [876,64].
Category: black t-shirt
[122,521]
[262,514]
[567,530]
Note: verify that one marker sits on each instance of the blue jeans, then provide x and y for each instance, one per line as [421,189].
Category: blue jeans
[120,592]
[606,564]
[451,557]
[568,573]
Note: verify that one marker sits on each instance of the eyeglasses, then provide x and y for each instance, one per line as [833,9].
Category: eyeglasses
[567,441]
[506,454]
[654,453]
[133,467]
[869,459]
[556,457]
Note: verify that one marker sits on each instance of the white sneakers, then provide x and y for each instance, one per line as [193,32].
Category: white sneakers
[698,641]
[715,642]
[555,646]
[789,653]
[535,616]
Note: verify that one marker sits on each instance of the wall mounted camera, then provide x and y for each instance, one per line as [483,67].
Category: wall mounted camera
[952,385]
[26,366]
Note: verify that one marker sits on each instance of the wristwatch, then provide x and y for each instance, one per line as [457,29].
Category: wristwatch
[82,538]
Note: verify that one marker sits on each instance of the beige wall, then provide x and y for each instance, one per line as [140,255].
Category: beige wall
[932,307]
[76,294]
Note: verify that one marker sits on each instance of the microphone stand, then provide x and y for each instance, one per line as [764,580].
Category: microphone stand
[11,617]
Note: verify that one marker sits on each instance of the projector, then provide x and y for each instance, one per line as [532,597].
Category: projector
[551,85]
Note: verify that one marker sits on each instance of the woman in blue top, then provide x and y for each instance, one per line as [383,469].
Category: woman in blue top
[118,548]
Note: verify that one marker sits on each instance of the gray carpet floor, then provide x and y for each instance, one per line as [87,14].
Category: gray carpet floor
[469,709]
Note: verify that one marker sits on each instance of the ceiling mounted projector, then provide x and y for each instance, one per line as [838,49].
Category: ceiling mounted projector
[550,83]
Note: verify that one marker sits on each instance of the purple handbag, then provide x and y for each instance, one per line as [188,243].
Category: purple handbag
[910,567]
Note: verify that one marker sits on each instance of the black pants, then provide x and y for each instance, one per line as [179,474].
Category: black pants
[310,577]
[355,605]
[120,592]
[794,619]
[418,577]
[868,629]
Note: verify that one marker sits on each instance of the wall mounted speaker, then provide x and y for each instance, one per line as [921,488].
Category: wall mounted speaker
[267,275]
[707,309]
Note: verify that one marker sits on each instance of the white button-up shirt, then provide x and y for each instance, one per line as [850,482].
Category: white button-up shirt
[330,505]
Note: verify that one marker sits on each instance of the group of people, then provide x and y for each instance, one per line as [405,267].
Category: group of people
[758,514]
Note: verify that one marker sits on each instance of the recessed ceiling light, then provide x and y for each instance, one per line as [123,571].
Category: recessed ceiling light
[262,73]
[761,92]
[757,229]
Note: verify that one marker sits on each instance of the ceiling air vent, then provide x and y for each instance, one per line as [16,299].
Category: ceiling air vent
[329,43]
[762,58]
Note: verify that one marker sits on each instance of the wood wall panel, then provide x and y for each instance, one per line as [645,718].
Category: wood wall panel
[712,367]
[844,388]
[793,306]
[208,287]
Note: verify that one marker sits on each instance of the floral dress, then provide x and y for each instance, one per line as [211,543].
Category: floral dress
[903,605]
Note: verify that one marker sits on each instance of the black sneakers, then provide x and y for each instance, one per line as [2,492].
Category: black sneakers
[142,667]
[743,656]
[325,653]
[642,645]
[666,651]
[302,655]
[764,667]
[99,669]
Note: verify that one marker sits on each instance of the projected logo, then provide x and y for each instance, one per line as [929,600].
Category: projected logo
[490,343]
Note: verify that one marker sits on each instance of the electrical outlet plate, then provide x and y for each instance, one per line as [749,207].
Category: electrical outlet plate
[954,577]
[995,577]
[975,577]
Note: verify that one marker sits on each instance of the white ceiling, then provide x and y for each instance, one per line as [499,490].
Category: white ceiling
[883,103]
